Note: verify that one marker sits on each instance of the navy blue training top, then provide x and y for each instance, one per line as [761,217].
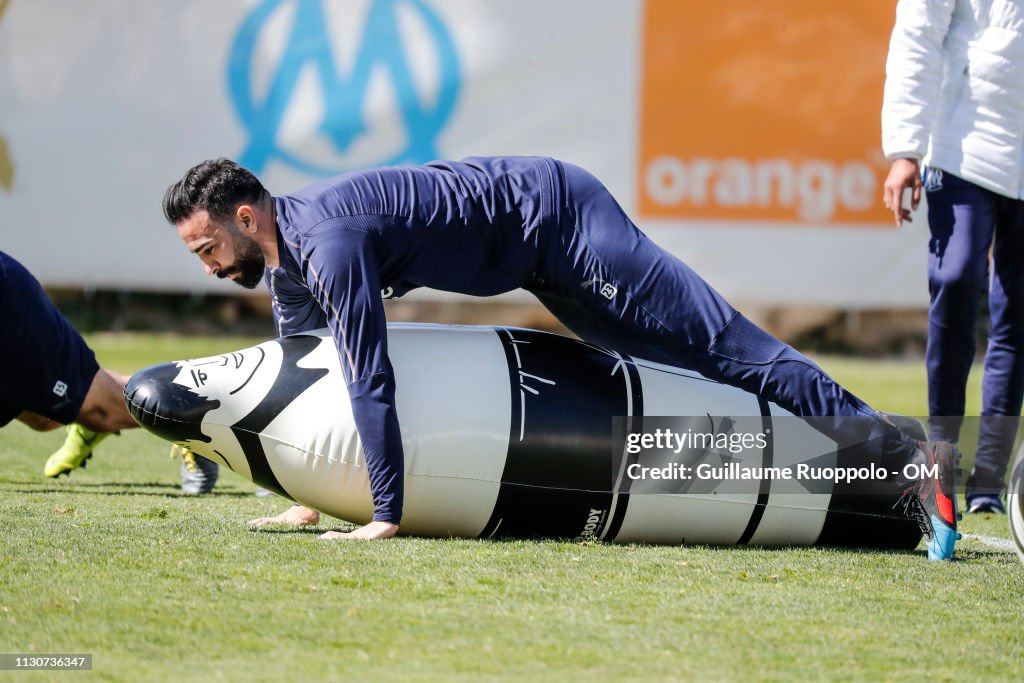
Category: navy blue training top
[476,226]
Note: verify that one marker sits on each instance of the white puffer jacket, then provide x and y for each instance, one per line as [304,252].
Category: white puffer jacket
[954,89]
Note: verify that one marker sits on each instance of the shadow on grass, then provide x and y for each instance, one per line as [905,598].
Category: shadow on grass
[988,555]
[732,549]
[95,485]
[165,490]
[277,529]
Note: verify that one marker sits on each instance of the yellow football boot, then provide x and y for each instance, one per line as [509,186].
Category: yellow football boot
[77,448]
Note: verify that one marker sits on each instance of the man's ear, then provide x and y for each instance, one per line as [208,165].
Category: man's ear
[246,219]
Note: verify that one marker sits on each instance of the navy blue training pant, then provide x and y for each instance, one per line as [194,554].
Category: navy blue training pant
[610,284]
[48,367]
[966,221]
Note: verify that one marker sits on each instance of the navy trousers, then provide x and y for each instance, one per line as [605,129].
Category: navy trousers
[966,223]
[610,284]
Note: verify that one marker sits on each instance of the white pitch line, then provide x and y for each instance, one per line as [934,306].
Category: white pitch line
[993,542]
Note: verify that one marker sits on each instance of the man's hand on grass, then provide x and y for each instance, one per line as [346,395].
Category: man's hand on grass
[371,532]
[296,515]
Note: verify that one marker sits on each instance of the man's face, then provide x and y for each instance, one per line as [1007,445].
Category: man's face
[224,250]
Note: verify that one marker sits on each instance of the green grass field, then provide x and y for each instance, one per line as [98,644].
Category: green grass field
[113,561]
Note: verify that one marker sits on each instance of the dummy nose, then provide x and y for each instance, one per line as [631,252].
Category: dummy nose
[169,410]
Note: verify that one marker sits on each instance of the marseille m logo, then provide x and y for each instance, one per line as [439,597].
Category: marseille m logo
[324,94]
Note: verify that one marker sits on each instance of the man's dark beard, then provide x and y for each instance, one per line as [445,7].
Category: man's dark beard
[249,263]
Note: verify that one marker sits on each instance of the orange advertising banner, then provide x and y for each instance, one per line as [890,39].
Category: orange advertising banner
[764,111]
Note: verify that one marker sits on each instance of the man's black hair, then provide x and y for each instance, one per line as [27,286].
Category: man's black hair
[217,185]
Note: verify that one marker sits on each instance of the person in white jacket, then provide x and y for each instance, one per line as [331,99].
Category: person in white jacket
[952,125]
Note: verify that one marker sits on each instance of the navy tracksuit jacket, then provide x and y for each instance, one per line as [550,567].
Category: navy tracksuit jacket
[483,226]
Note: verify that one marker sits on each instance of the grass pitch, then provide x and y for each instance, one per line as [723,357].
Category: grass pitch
[113,561]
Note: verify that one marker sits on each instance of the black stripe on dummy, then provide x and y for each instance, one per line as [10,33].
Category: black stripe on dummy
[557,480]
[767,457]
[290,383]
[634,424]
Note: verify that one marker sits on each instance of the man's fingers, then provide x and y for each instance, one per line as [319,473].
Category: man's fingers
[903,174]
[892,197]
[331,535]
[898,212]
[892,194]
[280,519]
[369,532]
[894,202]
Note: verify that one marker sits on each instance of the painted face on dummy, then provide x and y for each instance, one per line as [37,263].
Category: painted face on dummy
[220,377]
[224,248]
[235,384]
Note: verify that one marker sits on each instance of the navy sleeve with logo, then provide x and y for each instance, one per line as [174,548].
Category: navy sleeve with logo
[342,275]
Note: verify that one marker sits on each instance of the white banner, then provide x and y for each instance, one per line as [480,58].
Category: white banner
[104,104]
